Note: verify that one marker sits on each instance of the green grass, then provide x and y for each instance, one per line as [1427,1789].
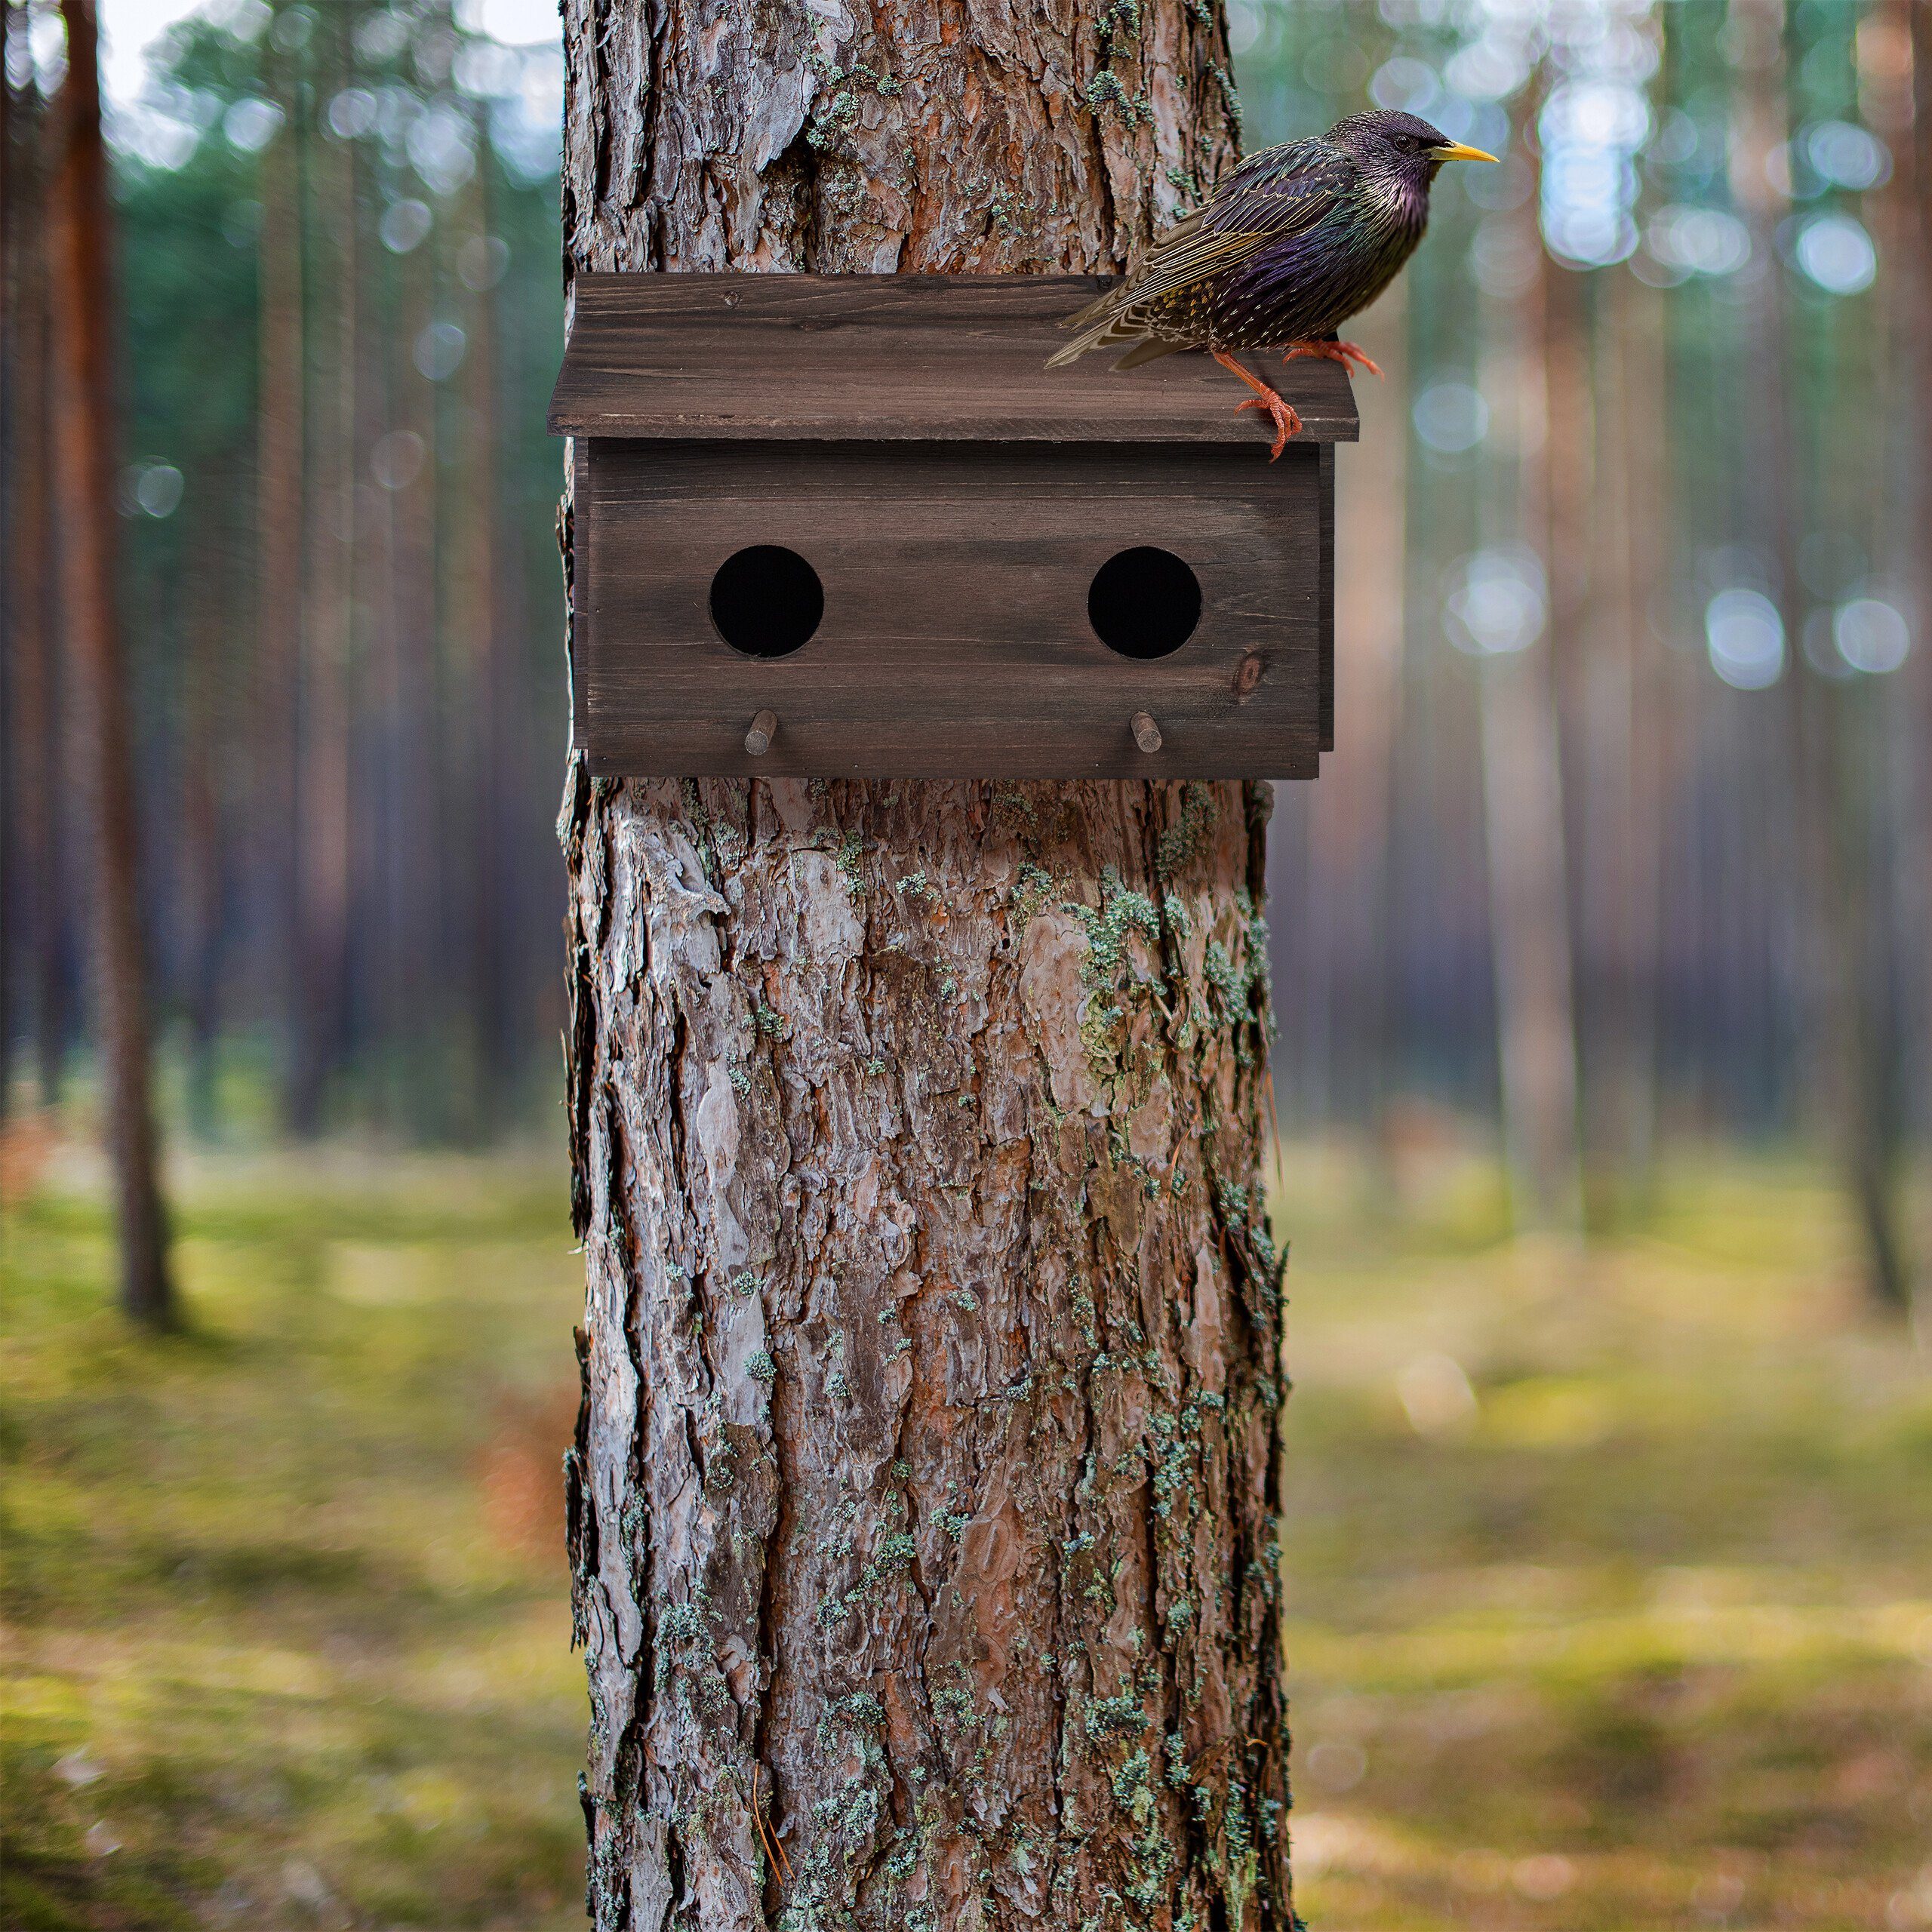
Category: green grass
[288,1637]
[1640,1637]
[1610,1575]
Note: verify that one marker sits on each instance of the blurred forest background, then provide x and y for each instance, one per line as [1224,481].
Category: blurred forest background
[340,317]
[1624,839]
[1607,1558]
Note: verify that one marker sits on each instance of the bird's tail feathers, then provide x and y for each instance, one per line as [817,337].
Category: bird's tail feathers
[1113,333]
[1098,323]
[1104,303]
[1111,327]
[1074,350]
[1147,350]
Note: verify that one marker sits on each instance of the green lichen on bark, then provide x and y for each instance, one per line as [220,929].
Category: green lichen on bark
[996,1535]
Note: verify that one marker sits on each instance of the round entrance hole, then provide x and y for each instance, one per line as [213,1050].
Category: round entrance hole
[766,601]
[1144,602]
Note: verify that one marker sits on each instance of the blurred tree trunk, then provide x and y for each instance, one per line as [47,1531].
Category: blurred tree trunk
[1639,416]
[204,756]
[479,541]
[923,1507]
[1911,122]
[418,1020]
[10,727]
[37,770]
[1847,1010]
[1349,812]
[373,731]
[1616,814]
[84,457]
[1856,384]
[282,390]
[389,780]
[1523,798]
[325,638]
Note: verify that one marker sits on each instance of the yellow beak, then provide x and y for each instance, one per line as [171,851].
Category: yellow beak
[1455,151]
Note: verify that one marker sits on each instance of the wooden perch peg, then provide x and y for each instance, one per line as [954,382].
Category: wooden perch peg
[764,728]
[1146,733]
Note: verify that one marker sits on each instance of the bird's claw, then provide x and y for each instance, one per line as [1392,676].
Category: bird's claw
[1281,413]
[1346,353]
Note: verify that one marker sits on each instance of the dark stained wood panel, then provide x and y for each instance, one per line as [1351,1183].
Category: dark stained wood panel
[1327,617]
[955,640]
[895,358]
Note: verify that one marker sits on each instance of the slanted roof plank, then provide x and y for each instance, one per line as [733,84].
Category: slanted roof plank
[890,359]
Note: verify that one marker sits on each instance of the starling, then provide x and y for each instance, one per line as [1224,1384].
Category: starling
[1295,241]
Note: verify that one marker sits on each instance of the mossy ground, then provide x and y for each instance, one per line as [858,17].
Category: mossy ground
[288,1635]
[1642,1635]
[1634,1630]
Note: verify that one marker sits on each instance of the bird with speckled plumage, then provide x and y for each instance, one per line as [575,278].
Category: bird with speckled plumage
[1296,240]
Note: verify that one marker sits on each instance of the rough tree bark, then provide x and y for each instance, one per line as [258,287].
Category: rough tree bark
[923,1504]
[81,305]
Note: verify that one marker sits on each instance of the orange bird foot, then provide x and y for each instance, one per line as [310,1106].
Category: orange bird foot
[1287,423]
[1280,411]
[1346,353]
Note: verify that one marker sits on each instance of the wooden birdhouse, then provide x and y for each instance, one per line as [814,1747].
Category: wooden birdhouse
[852,526]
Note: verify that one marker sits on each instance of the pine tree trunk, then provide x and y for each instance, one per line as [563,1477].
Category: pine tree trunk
[418,1019]
[1635,425]
[326,635]
[1847,1013]
[923,1504]
[36,762]
[84,453]
[477,640]
[281,389]
[1350,815]
[206,673]
[10,731]
[1919,504]
[1523,817]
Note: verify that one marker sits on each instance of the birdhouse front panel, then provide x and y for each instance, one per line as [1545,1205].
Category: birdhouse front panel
[852,526]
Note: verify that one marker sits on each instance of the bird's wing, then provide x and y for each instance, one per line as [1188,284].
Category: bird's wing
[1271,195]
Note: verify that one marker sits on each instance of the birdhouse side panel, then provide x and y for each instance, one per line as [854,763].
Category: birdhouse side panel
[1325,563]
[952,610]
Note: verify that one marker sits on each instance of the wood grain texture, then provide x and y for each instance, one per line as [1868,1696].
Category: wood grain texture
[908,357]
[1325,607]
[956,640]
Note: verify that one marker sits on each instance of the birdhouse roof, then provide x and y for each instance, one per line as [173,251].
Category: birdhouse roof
[892,359]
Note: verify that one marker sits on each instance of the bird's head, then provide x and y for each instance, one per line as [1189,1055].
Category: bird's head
[1388,143]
